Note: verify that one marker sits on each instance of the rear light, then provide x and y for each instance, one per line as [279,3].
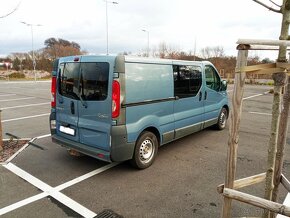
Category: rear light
[115,99]
[52,124]
[53,91]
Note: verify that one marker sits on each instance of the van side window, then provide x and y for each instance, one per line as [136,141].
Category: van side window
[212,78]
[187,80]
[94,81]
[69,76]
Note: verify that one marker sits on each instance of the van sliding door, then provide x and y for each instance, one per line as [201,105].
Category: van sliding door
[189,108]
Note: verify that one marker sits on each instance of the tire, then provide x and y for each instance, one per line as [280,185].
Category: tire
[145,150]
[222,119]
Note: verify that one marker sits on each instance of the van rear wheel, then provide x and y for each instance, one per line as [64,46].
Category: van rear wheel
[145,150]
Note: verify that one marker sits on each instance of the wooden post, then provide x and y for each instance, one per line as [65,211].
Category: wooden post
[283,129]
[1,139]
[279,82]
[235,118]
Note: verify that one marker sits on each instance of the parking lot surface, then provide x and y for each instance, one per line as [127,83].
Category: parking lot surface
[181,183]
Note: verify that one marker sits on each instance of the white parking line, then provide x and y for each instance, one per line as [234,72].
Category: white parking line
[17,99]
[27,105]
[259,113]
[28,117]
[253,96]
[7,95]
[49,191]
[42,136]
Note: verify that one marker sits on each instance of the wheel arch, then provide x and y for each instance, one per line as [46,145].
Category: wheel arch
[155,131]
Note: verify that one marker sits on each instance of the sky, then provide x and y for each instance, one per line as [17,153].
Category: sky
[186,25]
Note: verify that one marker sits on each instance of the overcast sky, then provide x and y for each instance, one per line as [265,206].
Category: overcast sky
[179,23]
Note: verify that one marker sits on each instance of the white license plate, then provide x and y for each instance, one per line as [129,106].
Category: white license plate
[67,130]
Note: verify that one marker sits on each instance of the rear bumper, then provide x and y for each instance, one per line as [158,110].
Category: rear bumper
[90,151]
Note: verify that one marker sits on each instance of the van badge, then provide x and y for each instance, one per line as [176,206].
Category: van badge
[103,116]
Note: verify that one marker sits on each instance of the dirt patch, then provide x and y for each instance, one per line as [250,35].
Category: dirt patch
[10,148]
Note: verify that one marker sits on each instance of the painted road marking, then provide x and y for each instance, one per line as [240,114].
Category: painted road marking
[49,191]
[28,117]
[7,95]
[42,136]
[54,192]
[27,105]
[259,113]
[16,99]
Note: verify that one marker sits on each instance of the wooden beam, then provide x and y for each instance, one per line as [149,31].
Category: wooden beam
[235,118]
[256,201]
[259,47]
[285,183]
[264,42]
[240,183]
[256,67]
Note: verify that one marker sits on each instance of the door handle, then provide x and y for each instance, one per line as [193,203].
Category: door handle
[200,96]
[205,95]
[72,107]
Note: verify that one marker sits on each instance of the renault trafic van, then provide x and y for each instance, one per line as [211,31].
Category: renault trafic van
[117,108]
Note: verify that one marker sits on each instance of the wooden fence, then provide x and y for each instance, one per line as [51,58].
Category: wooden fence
[273,176]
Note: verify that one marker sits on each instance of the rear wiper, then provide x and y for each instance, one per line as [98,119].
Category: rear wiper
[84,103]
[81,91]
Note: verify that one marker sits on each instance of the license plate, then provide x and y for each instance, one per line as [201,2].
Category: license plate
[67,130]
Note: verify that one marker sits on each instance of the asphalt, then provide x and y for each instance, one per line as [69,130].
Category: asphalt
[181,183]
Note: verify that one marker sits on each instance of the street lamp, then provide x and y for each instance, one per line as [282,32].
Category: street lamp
[32,45]
[147,41]
[107,22]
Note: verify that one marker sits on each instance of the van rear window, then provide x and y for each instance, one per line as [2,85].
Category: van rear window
[88,81]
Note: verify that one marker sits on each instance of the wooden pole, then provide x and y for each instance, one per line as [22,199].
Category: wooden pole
[1,139]
[279,82]
[258,202]
[235,118]
[282,135]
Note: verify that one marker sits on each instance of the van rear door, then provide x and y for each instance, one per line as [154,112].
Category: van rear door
[67,99]
[95,104]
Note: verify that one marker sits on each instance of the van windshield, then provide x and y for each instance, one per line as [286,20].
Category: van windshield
[87,81]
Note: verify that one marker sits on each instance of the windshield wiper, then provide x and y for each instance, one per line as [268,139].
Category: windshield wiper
[81,91]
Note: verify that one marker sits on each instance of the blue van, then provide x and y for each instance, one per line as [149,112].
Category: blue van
[117,108]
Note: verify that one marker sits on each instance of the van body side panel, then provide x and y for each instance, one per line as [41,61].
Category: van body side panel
[149,98]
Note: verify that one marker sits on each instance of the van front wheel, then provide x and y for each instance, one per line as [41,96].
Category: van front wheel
[145,150]
[222,119]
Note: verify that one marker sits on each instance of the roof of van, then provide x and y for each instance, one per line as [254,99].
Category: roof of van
[138,59]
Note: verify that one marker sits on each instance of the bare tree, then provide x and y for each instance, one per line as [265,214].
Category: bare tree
[11,12]
[277,141]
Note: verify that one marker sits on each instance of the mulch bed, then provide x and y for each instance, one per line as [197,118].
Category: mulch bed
[10,148]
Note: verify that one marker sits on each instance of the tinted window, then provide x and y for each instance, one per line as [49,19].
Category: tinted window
[187,80]
[68,80]
[94,81]
[212,78]
[88,80]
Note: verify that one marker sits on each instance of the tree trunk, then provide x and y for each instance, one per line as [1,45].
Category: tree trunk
[277,126]
[283,129]
[1,139]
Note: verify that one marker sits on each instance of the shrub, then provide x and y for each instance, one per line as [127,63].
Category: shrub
[17,75]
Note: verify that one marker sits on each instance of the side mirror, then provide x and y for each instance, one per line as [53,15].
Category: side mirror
[224,85]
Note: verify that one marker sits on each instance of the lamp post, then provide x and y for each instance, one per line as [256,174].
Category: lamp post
[32,45]
[147,41]
[107,22]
